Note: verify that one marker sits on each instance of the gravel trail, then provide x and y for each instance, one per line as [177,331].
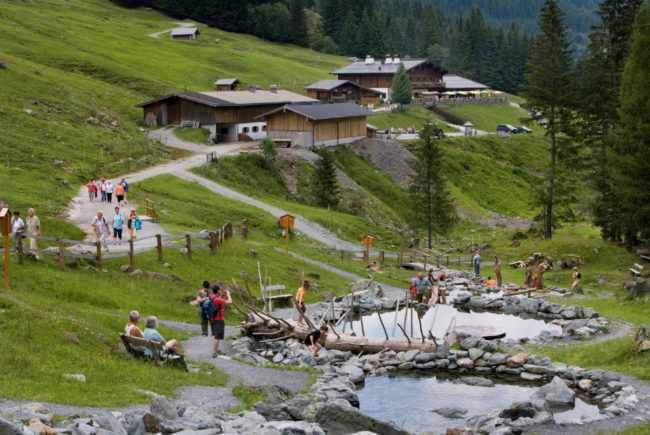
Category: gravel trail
[157,34]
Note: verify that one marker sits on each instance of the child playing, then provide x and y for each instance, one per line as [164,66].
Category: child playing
[300,301]
[311,341]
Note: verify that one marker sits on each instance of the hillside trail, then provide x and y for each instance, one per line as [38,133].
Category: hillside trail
[82,211]
[157,34]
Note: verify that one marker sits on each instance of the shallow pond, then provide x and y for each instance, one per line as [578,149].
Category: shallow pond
[409,399]
[515,327]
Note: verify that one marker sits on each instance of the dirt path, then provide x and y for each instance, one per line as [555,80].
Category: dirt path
[157,34]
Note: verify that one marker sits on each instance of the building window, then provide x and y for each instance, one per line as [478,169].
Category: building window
[264,128]
[245,130]
[256,129]
[387,79]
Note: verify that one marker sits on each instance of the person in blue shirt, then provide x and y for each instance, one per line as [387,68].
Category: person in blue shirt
[422,286]
[477,262]
[170,347]
[118,220]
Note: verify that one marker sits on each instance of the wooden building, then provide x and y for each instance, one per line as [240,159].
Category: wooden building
[379,74]
[318,125]
[343,91]
[226,84]
[224,113]
[185,33]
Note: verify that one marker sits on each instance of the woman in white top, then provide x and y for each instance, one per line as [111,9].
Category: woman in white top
[101,228]
[109,191]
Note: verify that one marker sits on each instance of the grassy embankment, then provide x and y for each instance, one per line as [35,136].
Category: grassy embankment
[197,135]
[406,117]
[487,116]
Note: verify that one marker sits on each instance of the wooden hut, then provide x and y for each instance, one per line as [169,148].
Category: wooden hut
[185,33]
[226,84]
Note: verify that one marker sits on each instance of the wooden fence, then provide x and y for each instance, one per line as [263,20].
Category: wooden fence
[95,250]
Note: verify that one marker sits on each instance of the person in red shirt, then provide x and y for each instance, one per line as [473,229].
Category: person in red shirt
[92,190]
[217,322]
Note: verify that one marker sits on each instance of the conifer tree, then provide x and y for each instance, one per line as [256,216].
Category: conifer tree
[324,186]
[402,91]
[298,29]
[432,204]
[549,89]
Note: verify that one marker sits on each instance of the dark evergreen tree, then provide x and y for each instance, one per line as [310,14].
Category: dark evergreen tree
[324,186]
[549,91]
[298,26]
[629,163]
[402,91]
[431,202]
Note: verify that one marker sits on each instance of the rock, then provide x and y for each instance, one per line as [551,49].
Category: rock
[309,361]
[465,363]
[213,431]
[167,265]
[425,357]
[498,359]
[166,277]
[451,412]
[136,272]
[295,427]
[530,376]
[555,368]
[517,360]
[406,366]
[126,268]
[298,405]
[10,427]
[615,386]
[556,393]
[459,431]
[75,377]
[411,354]
[83,429]
[476,381]
[608,377]
[163,408]
[107,421]
[470,342]
[333,390]
[585,384]
[152,423]
[639,288]
[339,417]
[532,368]
[543,417]
[475,353]
[182,424]
[353,372]
[518,410]
[34,411]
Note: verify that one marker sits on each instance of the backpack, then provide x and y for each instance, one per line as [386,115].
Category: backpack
[579,275]
[209,310]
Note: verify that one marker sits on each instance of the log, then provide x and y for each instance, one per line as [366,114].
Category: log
[256,324]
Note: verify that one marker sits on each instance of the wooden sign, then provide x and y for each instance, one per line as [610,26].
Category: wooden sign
[287,220]
[5,227]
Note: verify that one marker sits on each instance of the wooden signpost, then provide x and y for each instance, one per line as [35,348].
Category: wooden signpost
[287,221]
[5,227]
[367,241]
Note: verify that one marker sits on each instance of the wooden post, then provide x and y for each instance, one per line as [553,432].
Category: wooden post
[213,243]
[381,257]
[61,258]
[425,263]
[6,237]
[438,261]
[228,228]
[189,245]
[159,243]
[19,245]
[99,255]
[131,259]
[447,260]
[244,229]
[363,331]
[342,255]
[286,229]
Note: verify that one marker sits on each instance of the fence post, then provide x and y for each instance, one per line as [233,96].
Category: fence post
[342,255]
[381,257]
[413,255]
[99,255]
[61,259]
[399,258]
[213,243]
[244,229]
[189,245]
[159,243]
[447,260]
[438,261]
[425,262]
[19,245]
[228,230]
[131,259]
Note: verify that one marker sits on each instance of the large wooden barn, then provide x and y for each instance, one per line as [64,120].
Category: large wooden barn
[379,74]
[225,113]
[343,91]
[318,125]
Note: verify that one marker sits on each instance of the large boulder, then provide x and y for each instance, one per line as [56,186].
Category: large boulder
[295,427]
[352,371]
[476,381]
[108,422]
[556,394]
[339,417]
[10,427]
[451,412]
[639,288]
[163,408]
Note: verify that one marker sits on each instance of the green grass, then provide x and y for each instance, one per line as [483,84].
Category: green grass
[248,396]
[405,117]
[198,135]
[487,116]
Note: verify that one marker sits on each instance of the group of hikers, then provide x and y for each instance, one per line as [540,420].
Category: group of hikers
[100,226]
[105,190]
[29,227]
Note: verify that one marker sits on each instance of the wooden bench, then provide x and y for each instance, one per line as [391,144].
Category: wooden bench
[133,343]
[269,297]
[635,273]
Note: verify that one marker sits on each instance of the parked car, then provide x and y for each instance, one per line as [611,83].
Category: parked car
[522,129]
[506,128]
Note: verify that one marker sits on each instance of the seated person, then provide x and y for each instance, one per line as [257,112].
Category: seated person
[311,341]
[170,348]
[132,327]
[490,282]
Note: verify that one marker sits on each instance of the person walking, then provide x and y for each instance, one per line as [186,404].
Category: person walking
[477,262]
[202,296]
[422,287]
[102,189]
[217,322]
[119,193]
[576,278]
[134,224]
[126,188]
[100,227]
[300,301]
[33,227]
[497,271]
[96,181]
[109,192]
[118,220]
[528,281]
[17,228]
[92,190]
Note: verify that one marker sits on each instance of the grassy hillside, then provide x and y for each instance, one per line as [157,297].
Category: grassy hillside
[487,116]
[406,117]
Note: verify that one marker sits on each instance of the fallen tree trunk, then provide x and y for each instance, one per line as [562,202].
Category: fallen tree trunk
[263,325]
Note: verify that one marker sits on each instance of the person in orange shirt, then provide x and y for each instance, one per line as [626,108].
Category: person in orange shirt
[300,301]
[119,193]
[490,282]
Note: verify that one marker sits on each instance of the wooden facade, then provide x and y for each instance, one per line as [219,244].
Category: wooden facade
[424,74]
[327,131]
[346,93]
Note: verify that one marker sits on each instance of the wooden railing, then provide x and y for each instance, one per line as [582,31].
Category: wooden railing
[151,209]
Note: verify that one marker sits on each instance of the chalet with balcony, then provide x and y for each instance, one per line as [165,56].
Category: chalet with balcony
[343,91]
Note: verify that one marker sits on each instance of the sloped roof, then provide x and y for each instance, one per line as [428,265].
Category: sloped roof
[319,112]
[226,82]
[237,98]
[453,82]
[378,67]
[184,31]
[328,85]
